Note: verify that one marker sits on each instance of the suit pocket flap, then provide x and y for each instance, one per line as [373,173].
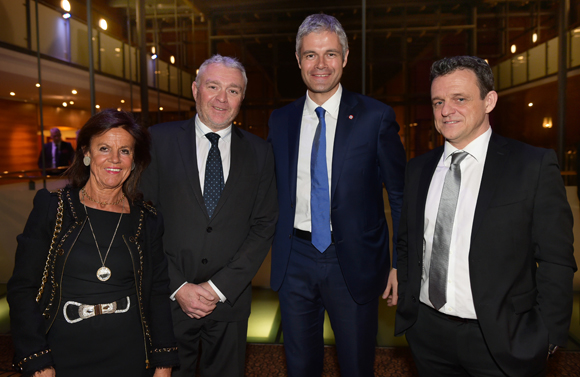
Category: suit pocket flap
[524,302]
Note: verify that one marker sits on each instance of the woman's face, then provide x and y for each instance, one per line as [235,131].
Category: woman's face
[111,156]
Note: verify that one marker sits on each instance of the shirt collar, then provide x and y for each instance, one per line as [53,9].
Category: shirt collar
[331,106]
[477,148]
[201,129]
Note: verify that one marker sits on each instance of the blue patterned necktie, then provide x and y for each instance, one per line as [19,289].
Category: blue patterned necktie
[443,230]
[214,175]
[319,192]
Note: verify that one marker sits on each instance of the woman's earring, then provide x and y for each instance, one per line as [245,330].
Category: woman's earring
[133,166]
[86,160]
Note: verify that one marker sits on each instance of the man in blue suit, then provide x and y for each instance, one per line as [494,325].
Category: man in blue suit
[333,150]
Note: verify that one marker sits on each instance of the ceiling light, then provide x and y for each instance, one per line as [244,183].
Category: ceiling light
[122,101]
[38,85]
[97,107]
[160,108]
[64,104]
[172,59]
[103,24]
[513,49]
[66,16]
[12,94]
[535,37]
[530,104]
[74,91]
[72,102]
[118,109]
[154,56]
[65,5]
[153,50]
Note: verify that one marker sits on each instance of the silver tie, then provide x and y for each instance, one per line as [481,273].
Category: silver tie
[443,230]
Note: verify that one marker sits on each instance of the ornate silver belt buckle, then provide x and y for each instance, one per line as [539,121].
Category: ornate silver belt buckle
[88,311]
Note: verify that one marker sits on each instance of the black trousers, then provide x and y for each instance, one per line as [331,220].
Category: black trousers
[219,346]
[445,347]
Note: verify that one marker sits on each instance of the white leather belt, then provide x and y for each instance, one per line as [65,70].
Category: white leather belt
[88,311]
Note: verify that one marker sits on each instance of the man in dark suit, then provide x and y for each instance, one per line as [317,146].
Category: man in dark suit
[215,186]
[56,153]
[485,241]
[334,150]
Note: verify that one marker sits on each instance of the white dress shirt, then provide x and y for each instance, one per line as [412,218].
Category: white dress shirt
[307,131]
[459,296]
[203,146]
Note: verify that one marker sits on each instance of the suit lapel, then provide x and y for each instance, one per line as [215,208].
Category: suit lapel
[294,123]
[495,163]
[188,150]
[348,116]
[422,191]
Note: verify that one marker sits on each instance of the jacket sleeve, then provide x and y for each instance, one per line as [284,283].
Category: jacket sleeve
[32,352]
[163,352]
[554,251]
[392,161]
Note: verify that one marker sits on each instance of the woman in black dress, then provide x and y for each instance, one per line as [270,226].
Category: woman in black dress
[89,293]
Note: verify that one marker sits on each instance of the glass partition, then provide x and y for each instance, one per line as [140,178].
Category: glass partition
[13,23]
[519,69]
[552,55]
[173,80]
[111,55]
[53,32]
[505,74]
[537,62]
[163,75]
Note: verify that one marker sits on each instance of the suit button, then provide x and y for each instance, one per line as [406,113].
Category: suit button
[419,263]
[413,299]
[209,229]
[204,261]
[290,236]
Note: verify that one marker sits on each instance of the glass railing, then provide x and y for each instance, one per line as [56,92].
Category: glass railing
[67,40]
[536,63]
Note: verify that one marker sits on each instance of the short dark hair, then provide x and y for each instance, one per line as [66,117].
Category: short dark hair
[98,124]
[477,65]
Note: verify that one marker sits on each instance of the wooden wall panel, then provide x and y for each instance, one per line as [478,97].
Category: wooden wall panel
[18,136]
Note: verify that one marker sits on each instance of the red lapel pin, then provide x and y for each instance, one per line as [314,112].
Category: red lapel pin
[350,117]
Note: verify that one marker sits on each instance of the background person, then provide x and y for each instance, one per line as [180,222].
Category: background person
[57,153]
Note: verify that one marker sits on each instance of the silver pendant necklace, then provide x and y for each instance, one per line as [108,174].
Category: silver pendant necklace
[104,272]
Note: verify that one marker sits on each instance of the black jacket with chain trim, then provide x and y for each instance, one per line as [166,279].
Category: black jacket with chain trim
[34,290]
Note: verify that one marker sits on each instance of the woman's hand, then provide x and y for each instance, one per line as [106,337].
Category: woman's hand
[47,372]
[162,372]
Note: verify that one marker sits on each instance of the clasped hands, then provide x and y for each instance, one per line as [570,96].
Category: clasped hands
[197,300]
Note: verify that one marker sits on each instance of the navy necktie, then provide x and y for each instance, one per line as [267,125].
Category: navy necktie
[443,230]
[319,191]
[214,175]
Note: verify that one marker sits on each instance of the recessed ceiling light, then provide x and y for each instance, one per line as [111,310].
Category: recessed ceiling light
[530,104]
[38,85]
[122,101]
[74,91]
[64,104]
[103,24]
[72,102]
[97,107]
[12,94]
[161,108]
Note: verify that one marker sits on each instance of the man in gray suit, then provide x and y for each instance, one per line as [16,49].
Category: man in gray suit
[215,186]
